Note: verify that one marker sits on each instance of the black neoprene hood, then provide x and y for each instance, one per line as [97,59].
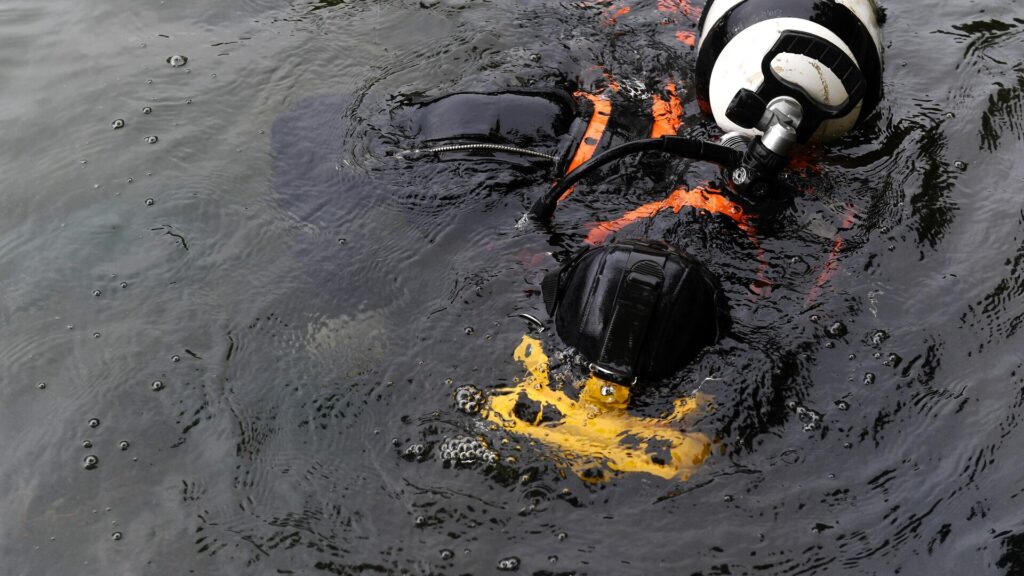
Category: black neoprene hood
[635,309]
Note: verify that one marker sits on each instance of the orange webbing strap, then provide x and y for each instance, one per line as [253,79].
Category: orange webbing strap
[701,198]
[832,264]
[668,114]
[687,37]
[684,7]
[592,137]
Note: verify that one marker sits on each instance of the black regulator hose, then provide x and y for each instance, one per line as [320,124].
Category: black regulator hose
[700,150]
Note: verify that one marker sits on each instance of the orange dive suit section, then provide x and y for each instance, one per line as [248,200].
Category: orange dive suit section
[592,136]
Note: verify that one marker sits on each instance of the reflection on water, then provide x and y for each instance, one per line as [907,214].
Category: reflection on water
[311,305]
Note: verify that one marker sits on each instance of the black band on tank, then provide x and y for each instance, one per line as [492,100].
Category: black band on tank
[834,16]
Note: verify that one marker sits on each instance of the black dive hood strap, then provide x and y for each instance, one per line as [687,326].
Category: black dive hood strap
[636,300]
[638,297]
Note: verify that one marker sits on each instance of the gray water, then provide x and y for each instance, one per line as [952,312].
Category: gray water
[309,309]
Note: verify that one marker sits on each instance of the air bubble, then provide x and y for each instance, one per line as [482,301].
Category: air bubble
[960,165]
[468,399]
[97,293]
[509,564]
[151,139]
[815,317]
[116,536]
[879,336]
[95,334]
[124,284]
[837,330]
[561,536]
[175,358]
[157,385]
[447,554]
[469,330]
[41,385]
[117,124]
[90,462]
[123,445]
[842,405]
[86,444]
[147,110]
[177,60]
[150,201]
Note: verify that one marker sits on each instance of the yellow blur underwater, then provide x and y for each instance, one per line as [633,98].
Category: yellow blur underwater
[596,432]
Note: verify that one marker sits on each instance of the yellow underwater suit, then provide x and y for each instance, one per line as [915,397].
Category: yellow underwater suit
[596,431]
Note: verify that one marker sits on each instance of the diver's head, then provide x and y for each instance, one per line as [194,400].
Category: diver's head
[635,309]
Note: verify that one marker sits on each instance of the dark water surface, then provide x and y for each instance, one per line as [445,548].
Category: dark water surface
[309,304]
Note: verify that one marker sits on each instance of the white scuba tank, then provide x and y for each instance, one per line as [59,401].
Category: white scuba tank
[816,51]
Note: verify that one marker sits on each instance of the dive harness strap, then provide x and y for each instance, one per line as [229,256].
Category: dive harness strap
[635,303]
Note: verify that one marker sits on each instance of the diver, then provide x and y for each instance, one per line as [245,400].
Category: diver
[774,75]
[632,309]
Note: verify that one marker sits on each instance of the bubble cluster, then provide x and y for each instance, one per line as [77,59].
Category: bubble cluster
[117,124]
[151,139]
[509,564]
[90,462]
[809,418]
[416,451]
[462,450]
[469,399]
[869,378]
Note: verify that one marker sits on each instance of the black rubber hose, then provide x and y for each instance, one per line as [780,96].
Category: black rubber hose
[544,207]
